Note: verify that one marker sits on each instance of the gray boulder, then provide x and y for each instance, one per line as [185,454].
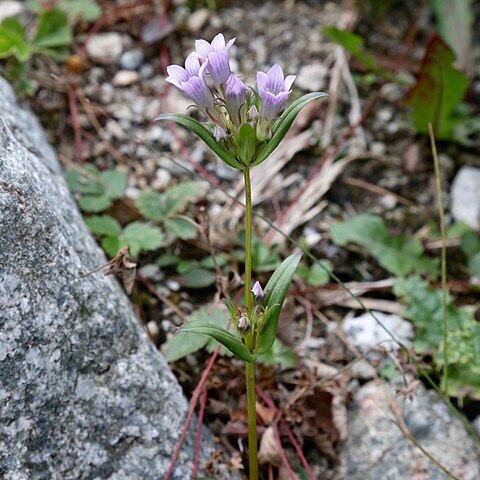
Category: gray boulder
[376,449]
[83,394]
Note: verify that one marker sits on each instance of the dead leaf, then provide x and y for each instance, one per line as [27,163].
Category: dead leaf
[122,267]
[268,452]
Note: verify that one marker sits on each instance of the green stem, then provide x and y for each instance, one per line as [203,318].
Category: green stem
[249,341]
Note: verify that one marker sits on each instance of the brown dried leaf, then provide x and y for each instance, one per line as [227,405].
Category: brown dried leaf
[268,452]
[121,266]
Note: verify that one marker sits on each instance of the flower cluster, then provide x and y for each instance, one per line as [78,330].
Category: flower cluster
[207,79]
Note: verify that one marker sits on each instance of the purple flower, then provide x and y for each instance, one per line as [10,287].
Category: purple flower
[191,80]
[274,91]
[236,96]
[215,54]
[178,74]
[257,290]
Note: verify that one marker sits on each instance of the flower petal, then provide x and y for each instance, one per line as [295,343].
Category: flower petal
[192,65]
[176,75]
[262,80]
[276,82]
[289,79]
[203,48]
[218,43]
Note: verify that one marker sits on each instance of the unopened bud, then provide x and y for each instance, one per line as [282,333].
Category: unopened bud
[243,323]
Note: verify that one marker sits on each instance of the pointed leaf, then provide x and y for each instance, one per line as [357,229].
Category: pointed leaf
[227,339]
[53,30]
[276,289]
[200,131]
[284,123]
[247,143]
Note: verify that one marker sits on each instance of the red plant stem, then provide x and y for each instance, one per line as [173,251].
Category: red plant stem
[282,454]
[191,409]
[198,439]
[289,433]
[270,472]
[77,131]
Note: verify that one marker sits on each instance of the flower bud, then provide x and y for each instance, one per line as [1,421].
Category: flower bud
[243,323]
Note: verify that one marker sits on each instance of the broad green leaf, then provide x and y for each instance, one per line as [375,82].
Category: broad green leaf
[316,275]
[200,131]
[111,245]
[227,339]
[167,260]
[197,277]
[220,260]
[85,180]
[439,89]
[52,31]
[247,143]
[279,355]
[182,344]
[115,182]
[181,228]
[80,9]
[150,205]
[284,123]
[95,203]
[13,40]
[397,254]
[146,235]
[276,291]
[103,225]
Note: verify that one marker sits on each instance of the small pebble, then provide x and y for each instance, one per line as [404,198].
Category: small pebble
[131,59]
[311,78]
[105,48]
[147,71]
[197,20]
[124,78]
[9,9]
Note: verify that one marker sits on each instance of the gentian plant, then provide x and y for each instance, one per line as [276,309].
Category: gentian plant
[245,125]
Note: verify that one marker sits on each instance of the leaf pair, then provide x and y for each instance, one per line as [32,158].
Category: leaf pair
[249,151]
[276,289]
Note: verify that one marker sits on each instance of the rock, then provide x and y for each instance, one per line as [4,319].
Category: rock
[84,394]
[366,333]
[9,8]
[311,77]
[105,48]
[197,20]
[376,449]
[131,59]
[466,197]
[124,78]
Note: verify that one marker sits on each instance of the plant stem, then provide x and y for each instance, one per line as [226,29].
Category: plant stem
[438,184]
[250,367]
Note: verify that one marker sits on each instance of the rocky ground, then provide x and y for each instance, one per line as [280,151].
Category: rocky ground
[99,107]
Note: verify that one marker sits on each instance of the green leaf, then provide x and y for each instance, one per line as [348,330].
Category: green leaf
[397,254]
[182,344]
[181,228]
[439,89]
[147,236]
[200,131]
[276,291]
[317,275]
[284,123]
[227,339]
[80,9]
[52,31]
[159,207]
[103,225]
[95,203]
[167,260]
[115,183]
[246,143]
[197,277]
[279,355]
[13,40]
[351,42]
[85,180]
[111,245]
[220,260]
[424,309]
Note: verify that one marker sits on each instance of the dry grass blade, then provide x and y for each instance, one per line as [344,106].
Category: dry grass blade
[307,205]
